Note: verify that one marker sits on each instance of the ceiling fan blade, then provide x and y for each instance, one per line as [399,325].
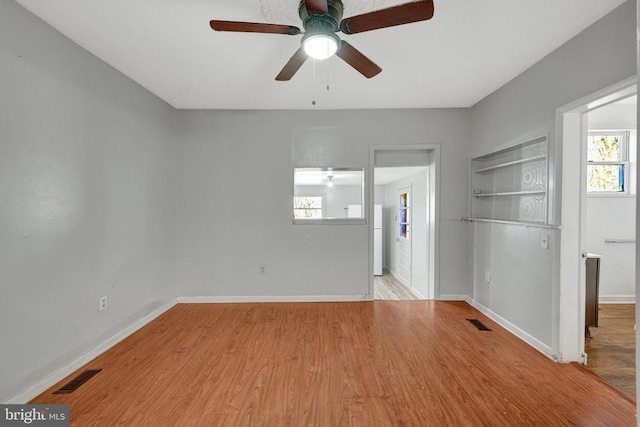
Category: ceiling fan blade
[357,60]
[292,66]
[254,27]
[317,7]
[392,16]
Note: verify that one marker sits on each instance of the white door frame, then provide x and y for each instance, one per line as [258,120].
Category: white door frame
[569,295]
[433,211]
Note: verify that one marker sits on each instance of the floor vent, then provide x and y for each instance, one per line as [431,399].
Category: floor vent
[478,324]
[73,385]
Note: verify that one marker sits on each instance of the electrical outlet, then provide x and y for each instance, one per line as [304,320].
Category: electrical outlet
[487,276]
[544,241]
[103,303]
[263,268]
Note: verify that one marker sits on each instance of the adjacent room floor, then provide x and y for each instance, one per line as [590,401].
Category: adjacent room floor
[382,363]
[612,350]
[387,287]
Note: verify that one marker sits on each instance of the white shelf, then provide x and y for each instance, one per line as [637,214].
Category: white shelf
[522,223]
[512,163]
[511,185]
[511,193]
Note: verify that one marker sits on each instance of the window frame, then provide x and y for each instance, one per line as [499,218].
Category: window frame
[624,136]
[332,220]
[407,216]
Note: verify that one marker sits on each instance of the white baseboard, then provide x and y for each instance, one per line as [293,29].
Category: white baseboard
[68,369]
[453,297]
[417,294]
[299,298]
[526,337]
[617,299]
[395,276]
[411,290]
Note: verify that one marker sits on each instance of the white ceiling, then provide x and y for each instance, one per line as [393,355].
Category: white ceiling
[469,49]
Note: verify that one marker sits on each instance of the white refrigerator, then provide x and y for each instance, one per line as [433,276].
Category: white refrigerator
[356,211]
[377,240]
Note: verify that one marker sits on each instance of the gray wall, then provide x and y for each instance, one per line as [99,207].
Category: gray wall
[87,183]
[247,157]
[603,54]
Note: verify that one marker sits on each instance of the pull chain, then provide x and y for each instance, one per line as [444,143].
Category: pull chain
[328,69]
[313,102]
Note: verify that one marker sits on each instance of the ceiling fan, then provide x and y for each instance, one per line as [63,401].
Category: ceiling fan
[321,19]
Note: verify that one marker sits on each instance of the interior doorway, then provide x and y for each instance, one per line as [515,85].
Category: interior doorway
[404,193]
[610,212]
[592,227]
[401,240]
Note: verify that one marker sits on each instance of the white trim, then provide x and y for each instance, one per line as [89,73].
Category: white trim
[328,221]
[74,365]
[395,276]
[524,336]
[453,297]
[417,294]
[610,194]
[602,97]
[568,293]
[617,299]
[569,296]
[409,289]
[298,298]
[433,211]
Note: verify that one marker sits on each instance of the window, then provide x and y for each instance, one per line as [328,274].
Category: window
[608,162]
[404,215]
[328,195]
[307,207]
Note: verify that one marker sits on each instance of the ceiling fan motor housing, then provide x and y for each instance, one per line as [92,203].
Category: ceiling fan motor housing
[327,23]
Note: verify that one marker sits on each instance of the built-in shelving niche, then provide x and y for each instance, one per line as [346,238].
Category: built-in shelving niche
[512,184]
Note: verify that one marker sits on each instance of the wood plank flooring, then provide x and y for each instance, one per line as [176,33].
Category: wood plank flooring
[612,350]
[382,363]
[387,287]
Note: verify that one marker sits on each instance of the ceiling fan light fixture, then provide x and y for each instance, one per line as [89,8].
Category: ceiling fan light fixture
[320,46]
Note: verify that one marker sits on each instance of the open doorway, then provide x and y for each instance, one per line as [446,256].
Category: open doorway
[598,156]
[400,233]
[404,226]
[610,213]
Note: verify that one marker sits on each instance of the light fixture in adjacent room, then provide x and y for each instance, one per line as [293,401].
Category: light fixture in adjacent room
[321,45]
[330,182]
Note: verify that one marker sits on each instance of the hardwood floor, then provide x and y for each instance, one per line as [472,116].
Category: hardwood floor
[387,287]
[612,349]
[382,363]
